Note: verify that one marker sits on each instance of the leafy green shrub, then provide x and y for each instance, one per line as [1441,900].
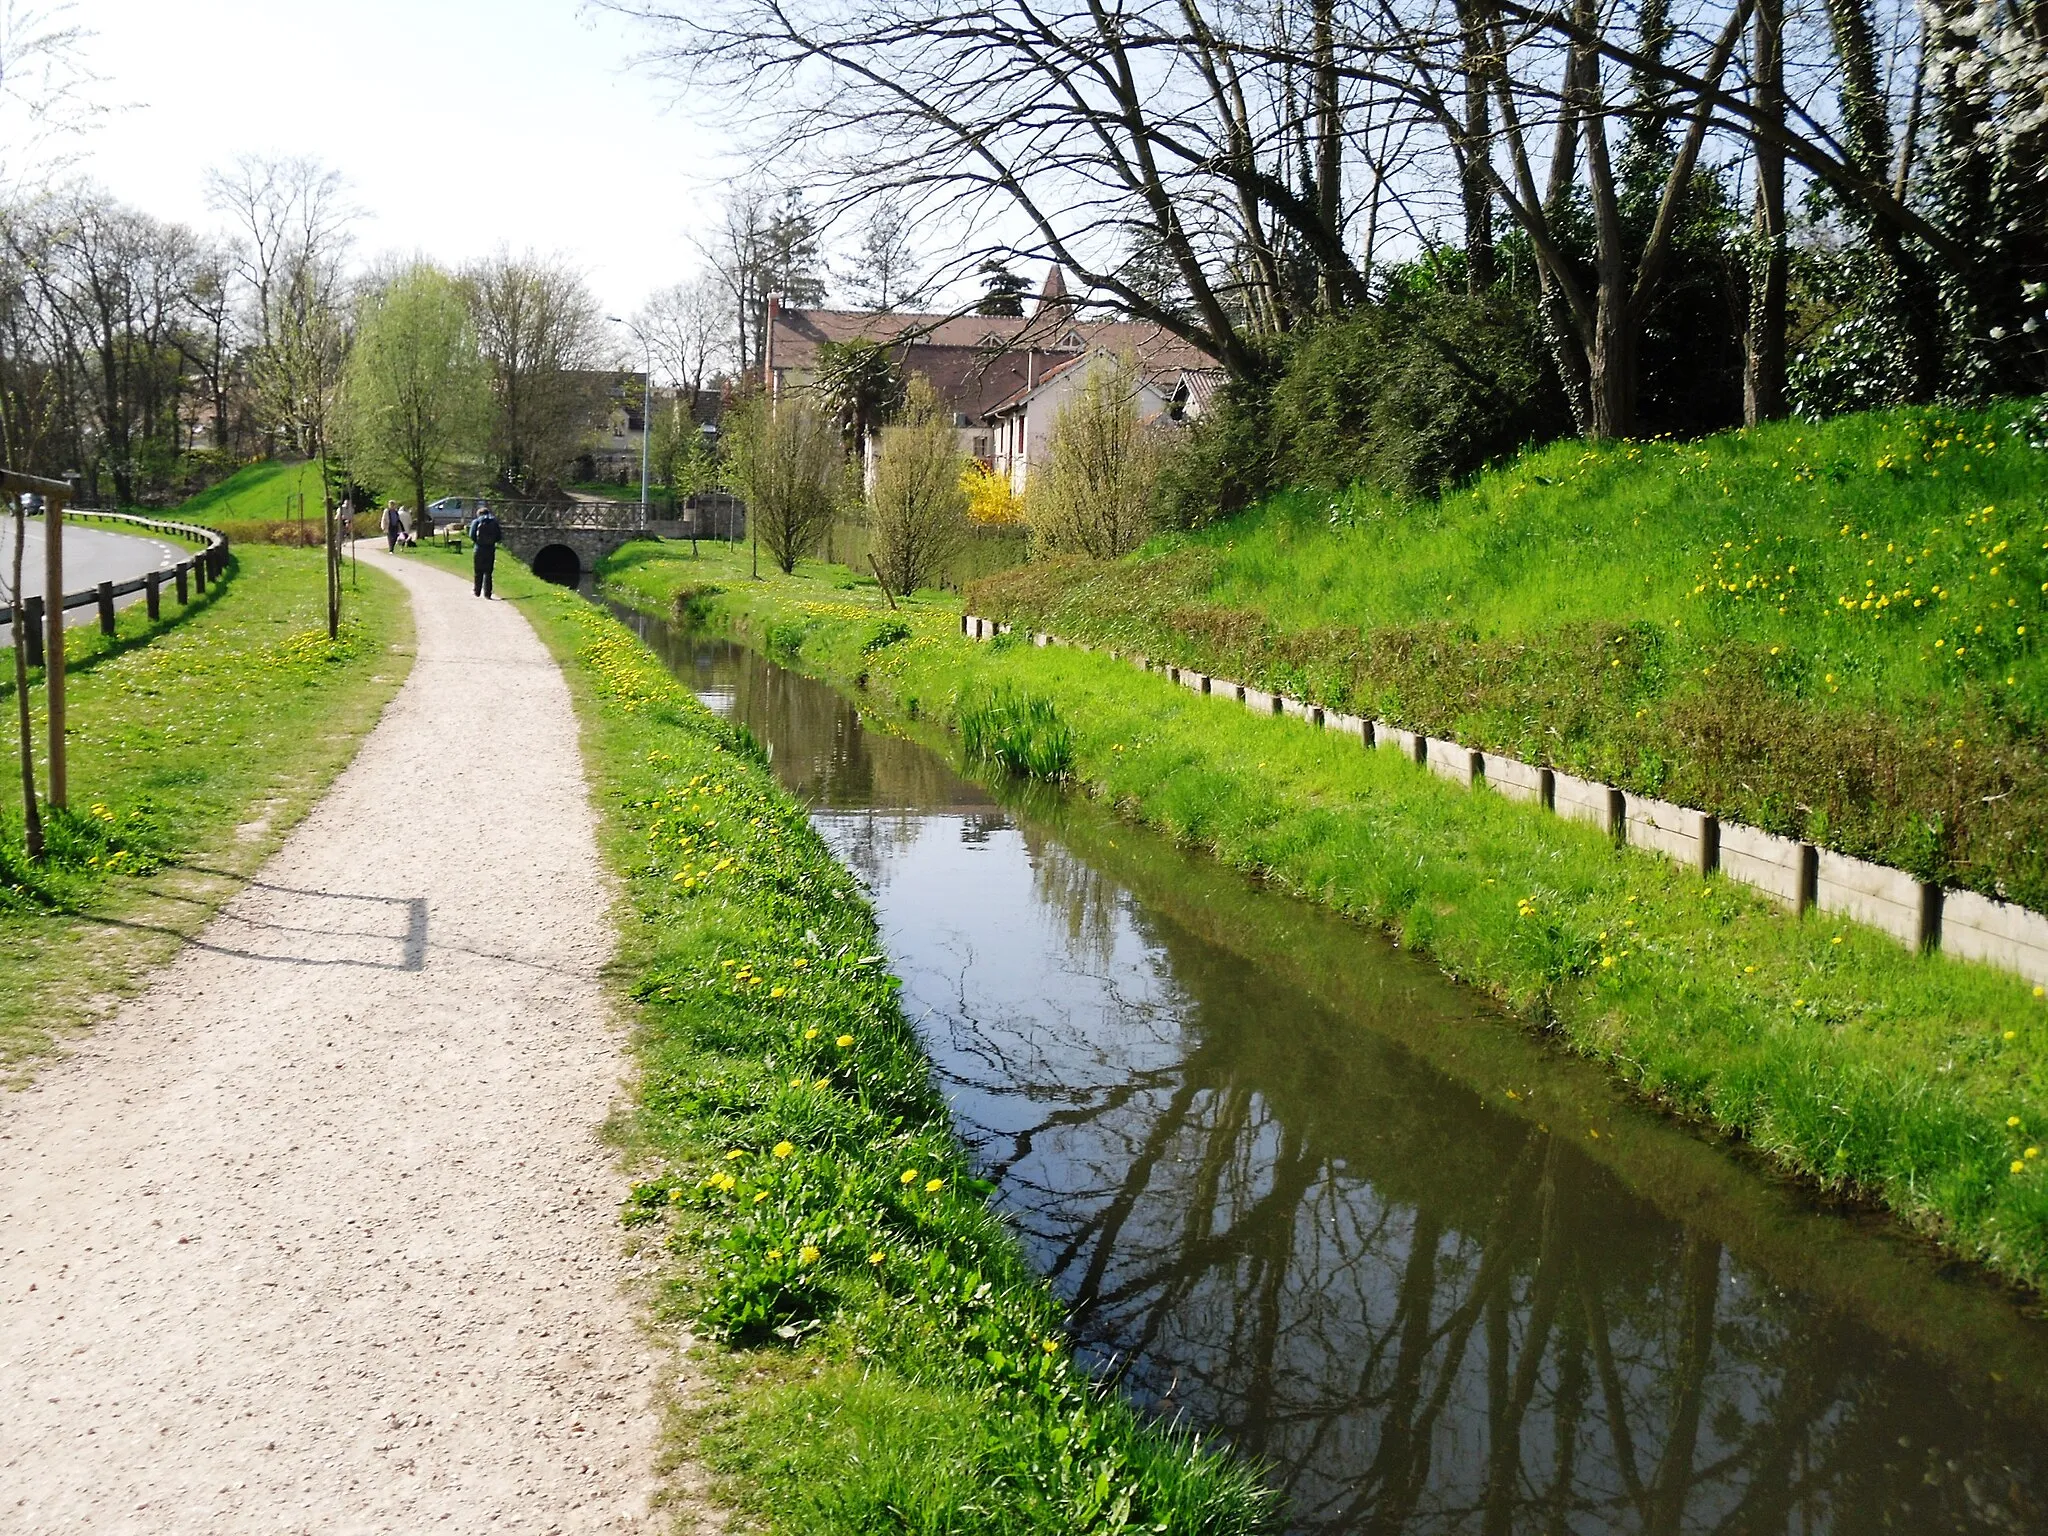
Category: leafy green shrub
[1018,733]
[1412,396]
[692,604]
[785,637]
[889,632]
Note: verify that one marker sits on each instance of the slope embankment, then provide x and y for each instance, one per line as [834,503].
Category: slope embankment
[1912,1079]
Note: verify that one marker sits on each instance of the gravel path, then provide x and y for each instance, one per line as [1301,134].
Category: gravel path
[317,1235]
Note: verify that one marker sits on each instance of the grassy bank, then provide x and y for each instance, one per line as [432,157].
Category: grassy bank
[194,747]
[886,1360]
[1829,631]
[1921,1082]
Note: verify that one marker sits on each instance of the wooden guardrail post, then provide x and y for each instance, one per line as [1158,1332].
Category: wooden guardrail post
[105,596]
[153,594]
[199,572]
[184,595]
[53,643]
[32,628]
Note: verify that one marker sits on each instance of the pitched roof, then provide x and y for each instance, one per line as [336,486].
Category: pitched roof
[796,334]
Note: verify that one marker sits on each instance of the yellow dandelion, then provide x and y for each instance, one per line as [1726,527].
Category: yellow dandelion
[807,1254]
[763,1195]
[909,1176]
[933,1186]
[811,1033]
[843,1041]
[2018,1166]
[778,991]
[875,1257]
[783,1149]
[736,1152]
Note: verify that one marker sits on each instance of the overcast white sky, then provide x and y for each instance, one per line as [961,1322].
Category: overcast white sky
[459,124]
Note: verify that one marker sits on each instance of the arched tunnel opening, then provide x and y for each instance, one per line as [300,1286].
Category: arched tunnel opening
[558,563]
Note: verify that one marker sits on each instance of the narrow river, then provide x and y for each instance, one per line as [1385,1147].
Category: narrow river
[1304,1192]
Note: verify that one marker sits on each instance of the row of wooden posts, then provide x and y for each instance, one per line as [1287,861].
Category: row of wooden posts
[38,626]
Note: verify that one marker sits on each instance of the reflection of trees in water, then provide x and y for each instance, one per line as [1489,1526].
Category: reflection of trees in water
[1091,904]
[1433,1321]
[1432,1318]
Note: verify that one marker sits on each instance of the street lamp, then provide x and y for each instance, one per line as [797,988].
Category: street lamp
[646,407]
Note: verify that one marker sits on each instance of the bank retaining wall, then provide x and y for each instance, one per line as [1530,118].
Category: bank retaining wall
[1798,876]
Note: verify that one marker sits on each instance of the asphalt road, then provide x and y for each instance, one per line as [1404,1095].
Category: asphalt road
[91,556]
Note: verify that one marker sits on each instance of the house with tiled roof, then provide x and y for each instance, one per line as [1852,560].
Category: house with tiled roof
[998,374]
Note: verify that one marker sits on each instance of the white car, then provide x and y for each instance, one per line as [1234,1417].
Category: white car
[453,509]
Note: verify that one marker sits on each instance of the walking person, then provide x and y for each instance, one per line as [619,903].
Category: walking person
[394,526]
[485,534]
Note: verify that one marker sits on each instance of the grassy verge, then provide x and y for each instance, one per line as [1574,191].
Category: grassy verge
[1831,631]
[195,745]
[1922,1082]
[889,1362]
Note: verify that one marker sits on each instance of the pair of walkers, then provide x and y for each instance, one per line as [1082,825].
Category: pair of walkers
[397,526]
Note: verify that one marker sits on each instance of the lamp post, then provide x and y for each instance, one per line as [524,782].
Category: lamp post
[646,406]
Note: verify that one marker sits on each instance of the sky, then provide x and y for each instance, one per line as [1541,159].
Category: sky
[459,125]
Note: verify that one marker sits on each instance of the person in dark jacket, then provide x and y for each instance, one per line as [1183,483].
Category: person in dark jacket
[485,534]
[394,526]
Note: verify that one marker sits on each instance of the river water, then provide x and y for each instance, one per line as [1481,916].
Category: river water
[1305,1193]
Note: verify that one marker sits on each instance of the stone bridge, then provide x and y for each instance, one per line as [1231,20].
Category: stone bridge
[563,544]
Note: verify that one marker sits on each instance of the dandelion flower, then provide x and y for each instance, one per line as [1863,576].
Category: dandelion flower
[844,1041]
[783,1149]
[909,1176]
[1050,1346]
[2012,1120]
[2012,1034]
[875,1257]
[933,1186]
[736,1152]
[798,964]
[760,1196]
[811,1033]
[807,1254]
[2018,1166]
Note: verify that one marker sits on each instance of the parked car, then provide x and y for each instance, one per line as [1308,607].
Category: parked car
[453,509]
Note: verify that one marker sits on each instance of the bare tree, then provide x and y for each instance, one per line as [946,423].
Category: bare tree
[765,247]
[1094,494]
[542,338]
[786,459]
[686,324]
[291,219]
[917,509]
[886,274]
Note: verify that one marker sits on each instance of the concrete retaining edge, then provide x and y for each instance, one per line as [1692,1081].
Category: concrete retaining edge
[1917,913]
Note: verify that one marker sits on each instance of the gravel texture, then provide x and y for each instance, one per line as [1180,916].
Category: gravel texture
[318,1233]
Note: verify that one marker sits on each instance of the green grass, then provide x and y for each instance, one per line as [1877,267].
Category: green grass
[263,492]
[194,747]
[1833,632]
[887,1360]
[1916,1081]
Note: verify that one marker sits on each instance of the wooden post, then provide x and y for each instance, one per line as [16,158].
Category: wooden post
[32,621]
[105,594]
[184,593]
[53,641]
[153,590]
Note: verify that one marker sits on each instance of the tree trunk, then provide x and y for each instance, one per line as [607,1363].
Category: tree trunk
[1763,374]
[1475,185]
[1611,364]
[1329,146]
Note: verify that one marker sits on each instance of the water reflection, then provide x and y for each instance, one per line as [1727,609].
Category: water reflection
[1265,1158]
